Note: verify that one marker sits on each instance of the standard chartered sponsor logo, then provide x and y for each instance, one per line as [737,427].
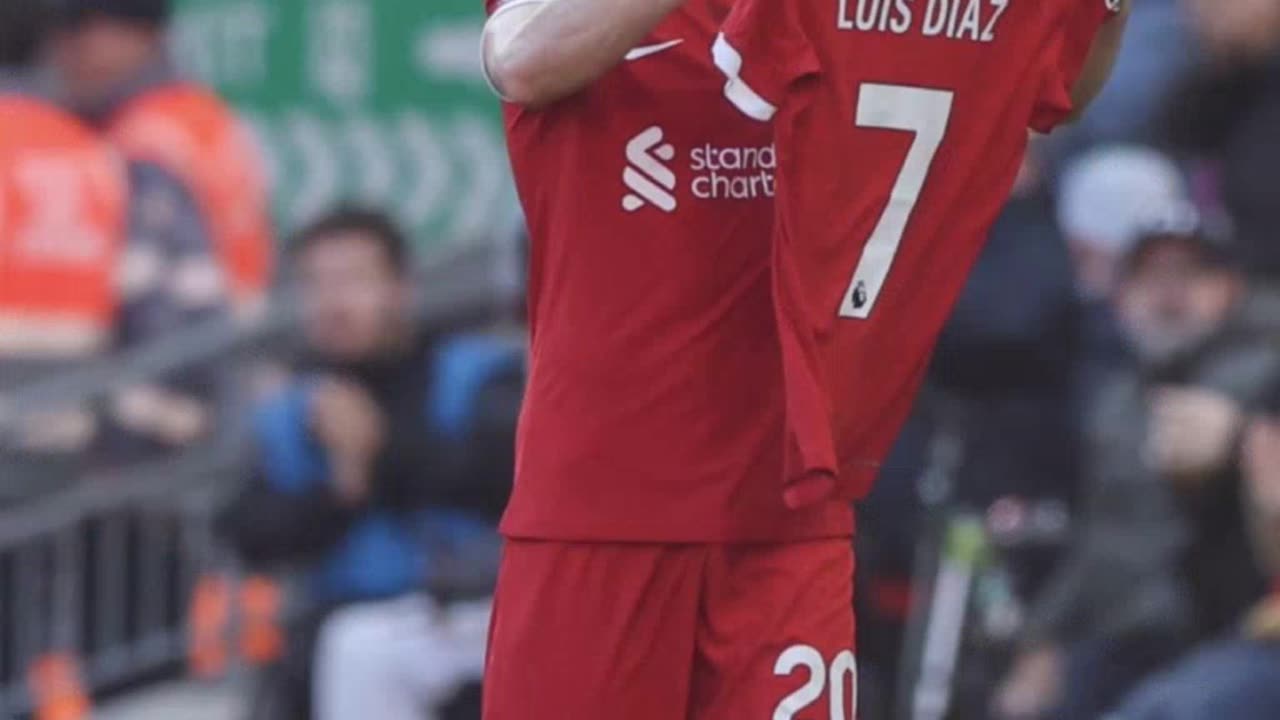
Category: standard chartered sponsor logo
[650,181]
[715,172]
[733,173]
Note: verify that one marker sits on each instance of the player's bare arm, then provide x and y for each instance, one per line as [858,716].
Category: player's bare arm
[1101,61]
[539,51]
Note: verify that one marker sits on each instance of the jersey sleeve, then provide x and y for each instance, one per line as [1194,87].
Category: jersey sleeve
[762,50]
[495,9]
[1070,50]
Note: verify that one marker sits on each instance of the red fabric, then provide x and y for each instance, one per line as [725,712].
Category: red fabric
[1075,40]
[911,131]
[785,42]
[654,410]
[644,632]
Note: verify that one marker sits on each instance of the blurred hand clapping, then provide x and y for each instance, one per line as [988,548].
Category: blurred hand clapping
[352,429]
[1193,433]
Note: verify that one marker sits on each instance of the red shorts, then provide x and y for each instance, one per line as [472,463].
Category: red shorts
[599,631]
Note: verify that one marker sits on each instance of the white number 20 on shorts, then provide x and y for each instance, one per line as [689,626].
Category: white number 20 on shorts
[820,675]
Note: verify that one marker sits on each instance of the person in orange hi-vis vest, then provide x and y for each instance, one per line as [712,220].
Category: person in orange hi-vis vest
[113,60]
[62,217]
[199,242]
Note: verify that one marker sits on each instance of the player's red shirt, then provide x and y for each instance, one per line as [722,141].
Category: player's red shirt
[900,129]
[654,410]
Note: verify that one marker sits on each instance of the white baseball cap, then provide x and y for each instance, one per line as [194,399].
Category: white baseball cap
[1113,195]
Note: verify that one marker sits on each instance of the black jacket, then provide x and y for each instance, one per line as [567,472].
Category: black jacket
[1230,116]
[419,467]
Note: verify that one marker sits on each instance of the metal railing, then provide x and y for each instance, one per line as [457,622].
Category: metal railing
[101,570]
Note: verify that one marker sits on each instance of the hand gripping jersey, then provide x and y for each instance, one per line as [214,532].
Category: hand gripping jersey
[654,408]
[62,215]
[900,127]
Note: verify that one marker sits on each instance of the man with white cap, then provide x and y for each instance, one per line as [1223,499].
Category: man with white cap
[1107,199]
[1161,558]
[1110,196]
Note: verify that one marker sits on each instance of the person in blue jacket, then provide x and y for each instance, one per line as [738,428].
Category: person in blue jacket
[380,472]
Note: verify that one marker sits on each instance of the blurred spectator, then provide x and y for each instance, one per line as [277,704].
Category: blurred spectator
[1163,556]
[1034,332]
[180,143]
[1001,384]
[382,469]
[1239,676]
[1007,354]
[1106,199]
[113,61]
[63,195]
[1226,115]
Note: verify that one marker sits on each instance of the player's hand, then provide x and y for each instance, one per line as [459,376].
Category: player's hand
[1193,432]
[352,430]
[1033,686]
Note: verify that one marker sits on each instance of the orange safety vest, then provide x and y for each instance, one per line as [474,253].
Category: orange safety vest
[63,201]
[194,135]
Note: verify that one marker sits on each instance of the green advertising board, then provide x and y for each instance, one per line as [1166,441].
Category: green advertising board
[378,101]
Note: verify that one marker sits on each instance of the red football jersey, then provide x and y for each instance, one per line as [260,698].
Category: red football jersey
[900,127]
[654,408]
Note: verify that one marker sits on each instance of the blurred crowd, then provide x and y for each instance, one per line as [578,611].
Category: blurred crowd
[374,449]
[382,465]
[1105,401]
[135,207]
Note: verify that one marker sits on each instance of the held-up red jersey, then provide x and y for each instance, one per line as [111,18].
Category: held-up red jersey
[654,410]
[900,127]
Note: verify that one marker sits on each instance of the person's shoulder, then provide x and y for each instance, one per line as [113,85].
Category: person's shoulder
[479,354]
[183,94]
[173,119]
[463,366]
[23,115]
[1243,363]
[16,104]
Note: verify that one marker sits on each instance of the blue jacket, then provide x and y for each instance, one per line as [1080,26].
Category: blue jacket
[387,552]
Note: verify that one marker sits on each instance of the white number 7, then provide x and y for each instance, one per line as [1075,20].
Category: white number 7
[920,111]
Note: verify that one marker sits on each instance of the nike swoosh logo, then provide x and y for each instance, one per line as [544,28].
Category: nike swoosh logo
[647,50]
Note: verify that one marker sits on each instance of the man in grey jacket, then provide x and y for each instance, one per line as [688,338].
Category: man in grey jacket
[1162,557]
[1237,677]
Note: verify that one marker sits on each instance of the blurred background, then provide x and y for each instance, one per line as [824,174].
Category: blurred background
[258,394]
